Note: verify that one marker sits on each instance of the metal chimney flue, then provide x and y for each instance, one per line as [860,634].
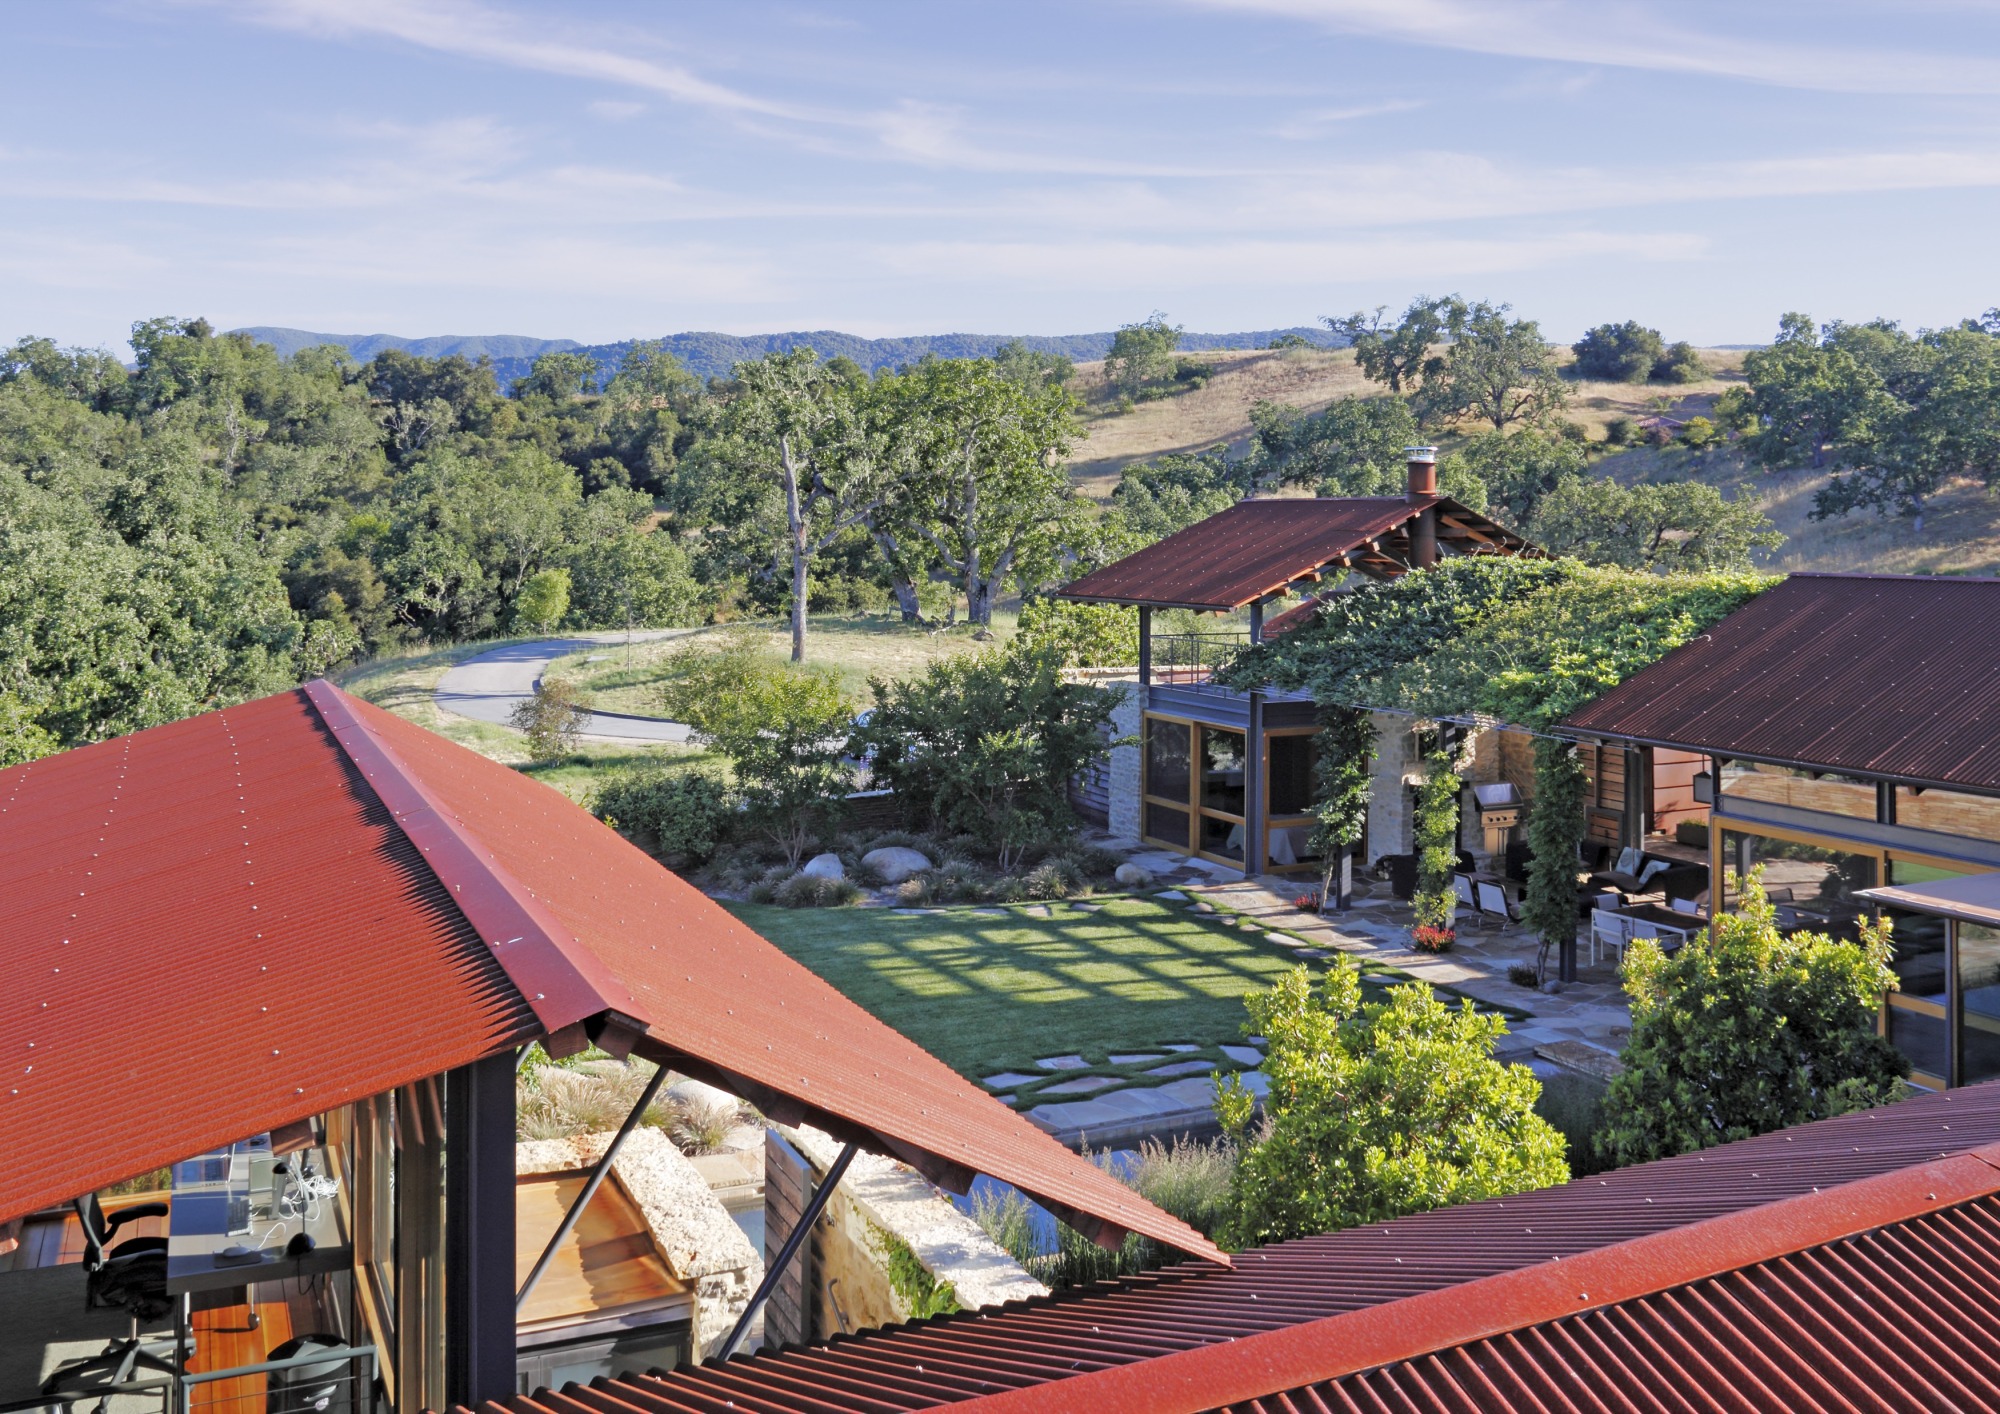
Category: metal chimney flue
[1423,471]
[1423,489]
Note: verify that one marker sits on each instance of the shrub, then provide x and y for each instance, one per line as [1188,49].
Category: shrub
[1377,1110]
[1433,940]
[687,813]
[811,891]
[1619,353]
[699,1125]
[553,719]
[782,727]
[1618,431]
[987,743]
[1679,364]
[542,602]
[1523,974]
[761,892]
[1189,1179]
[1054,878]
[914,892]
[1745,1030]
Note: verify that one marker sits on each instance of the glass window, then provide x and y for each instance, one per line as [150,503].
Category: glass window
[1167,759]
[1291,774]
[1783,785]
[1923,1037]
[1949,812]
[1221,770]
[1918,959]
[1292,844]
[1979,998]
[1814,888]
[1221,837]
[1167,824]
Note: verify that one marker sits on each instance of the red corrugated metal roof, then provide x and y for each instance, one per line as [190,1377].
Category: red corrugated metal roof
[1871,674]
[253,937]
[721,1001]
[1038,1347]
[1260,546]
[214,927]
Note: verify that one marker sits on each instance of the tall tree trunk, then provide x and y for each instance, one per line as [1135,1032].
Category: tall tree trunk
[795,520]
[978,609]
[900,584]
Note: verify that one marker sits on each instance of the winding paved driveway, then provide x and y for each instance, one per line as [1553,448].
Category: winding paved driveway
[490,685]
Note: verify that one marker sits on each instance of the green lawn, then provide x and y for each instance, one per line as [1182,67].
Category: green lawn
[987,994]
[855,646]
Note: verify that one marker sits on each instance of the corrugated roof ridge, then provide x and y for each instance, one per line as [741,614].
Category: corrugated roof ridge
[559,977]
[1354,1342]
[1905,578]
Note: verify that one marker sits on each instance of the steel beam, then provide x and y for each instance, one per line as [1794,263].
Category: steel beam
[814,1207]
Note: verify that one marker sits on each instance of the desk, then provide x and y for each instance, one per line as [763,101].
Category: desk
[198,1234]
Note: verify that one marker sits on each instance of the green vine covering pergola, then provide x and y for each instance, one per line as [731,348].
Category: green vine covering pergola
[1501,642]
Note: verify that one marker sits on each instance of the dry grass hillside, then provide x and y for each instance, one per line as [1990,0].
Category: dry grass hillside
[1215,414]
[1961,533]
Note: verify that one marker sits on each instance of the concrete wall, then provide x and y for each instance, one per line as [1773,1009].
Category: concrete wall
[847,1286]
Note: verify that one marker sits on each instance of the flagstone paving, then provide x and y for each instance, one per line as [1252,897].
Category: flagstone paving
[1580,1028]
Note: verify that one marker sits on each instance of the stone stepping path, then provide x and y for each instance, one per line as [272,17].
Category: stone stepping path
[1187,1067]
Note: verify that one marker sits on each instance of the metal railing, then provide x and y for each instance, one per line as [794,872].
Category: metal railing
[323,1390]
[1194,657]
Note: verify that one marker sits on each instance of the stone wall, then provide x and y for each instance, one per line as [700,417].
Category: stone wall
[1388,794]
[1124,804]
[695,1234]
[849,1286]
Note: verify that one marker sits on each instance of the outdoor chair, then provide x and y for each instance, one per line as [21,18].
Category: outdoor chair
[1461,885]
[1610,931]
[1494,904]
[1685,905]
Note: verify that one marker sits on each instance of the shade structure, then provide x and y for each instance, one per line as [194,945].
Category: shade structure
[1263,545]
[1879,675]
[1970,898]
[238,920]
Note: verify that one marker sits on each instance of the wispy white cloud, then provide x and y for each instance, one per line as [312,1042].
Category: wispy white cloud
[475,31]
[1627,35]
[617,110]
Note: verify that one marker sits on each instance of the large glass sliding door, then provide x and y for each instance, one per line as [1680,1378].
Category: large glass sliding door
[1194,792]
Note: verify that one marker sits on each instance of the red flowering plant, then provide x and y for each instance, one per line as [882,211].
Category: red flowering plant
[1308,901]
[1428,939]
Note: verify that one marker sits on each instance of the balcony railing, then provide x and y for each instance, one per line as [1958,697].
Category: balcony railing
[1194,657]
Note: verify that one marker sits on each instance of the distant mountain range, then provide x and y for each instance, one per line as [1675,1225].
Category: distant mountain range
[711,354]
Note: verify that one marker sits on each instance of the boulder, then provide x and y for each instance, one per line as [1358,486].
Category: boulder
[1133,876]
[824,866]
[894,864]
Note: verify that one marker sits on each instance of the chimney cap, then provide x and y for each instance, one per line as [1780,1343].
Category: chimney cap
[1421,454]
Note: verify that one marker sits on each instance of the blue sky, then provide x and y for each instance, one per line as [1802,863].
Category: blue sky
[603,171]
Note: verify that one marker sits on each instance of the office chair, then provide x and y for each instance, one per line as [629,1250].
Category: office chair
[130,1276]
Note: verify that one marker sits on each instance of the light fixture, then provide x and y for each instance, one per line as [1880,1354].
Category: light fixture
[1704,788]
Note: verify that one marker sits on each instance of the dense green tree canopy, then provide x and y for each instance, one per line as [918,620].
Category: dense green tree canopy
[1376,1110]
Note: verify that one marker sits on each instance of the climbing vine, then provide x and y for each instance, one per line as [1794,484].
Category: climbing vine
[1340,804]
[1434,828]
[921,1293]
[1555,829]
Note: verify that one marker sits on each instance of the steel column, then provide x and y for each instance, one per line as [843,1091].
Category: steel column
[1145,645]
[479,1231]
[814,1207]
